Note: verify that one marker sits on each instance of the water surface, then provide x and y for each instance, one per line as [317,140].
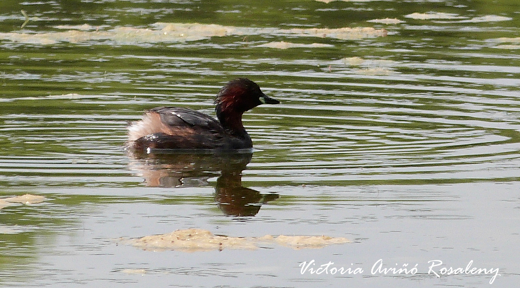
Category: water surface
[398,129]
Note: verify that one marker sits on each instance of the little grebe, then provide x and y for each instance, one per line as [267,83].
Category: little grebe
[181,128]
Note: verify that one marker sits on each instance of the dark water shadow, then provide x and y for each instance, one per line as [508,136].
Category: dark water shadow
[188,169]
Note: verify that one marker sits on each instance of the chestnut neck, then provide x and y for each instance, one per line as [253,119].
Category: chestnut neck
[231,121]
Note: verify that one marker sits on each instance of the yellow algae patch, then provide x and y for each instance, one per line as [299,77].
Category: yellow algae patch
[387,21]
[72,36]
[10,230]
[134,271]
[193,240]
[195,31]
[303,242]
[286,45]
[345,33]
[42,39]
[372,67]
[26,199]
[507,40]
[487,18]
[328,1]
[84,27]
[511,47]
[177,32]
[506,43]
[451,16]
[121,35]
[358,61]
[353,61]
[377,71]
[433,15]
[4,203]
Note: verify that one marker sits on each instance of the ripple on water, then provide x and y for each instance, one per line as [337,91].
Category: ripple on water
[372,113]
[178,32]
[333,133]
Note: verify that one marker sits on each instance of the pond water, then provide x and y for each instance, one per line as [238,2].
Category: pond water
[398,130]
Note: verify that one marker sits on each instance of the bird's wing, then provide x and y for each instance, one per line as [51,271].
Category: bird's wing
[176,117]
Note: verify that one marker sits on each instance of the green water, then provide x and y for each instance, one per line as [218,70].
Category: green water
[401,135]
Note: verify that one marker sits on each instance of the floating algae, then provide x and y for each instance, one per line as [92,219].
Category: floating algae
[486,18]
[387,21]
[506,43]
[287,45]
[370,67]
[177,32]
[433,16]
[193,240]
[26,199]
[304,242]
[353,61]
[328,1]
[459,19]
[134,271]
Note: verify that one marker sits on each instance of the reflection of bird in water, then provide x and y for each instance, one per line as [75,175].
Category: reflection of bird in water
[236,200]
[193,170]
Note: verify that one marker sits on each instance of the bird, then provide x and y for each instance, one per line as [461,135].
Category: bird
[177,128]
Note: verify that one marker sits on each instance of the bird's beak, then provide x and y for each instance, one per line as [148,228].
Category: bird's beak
[268,100]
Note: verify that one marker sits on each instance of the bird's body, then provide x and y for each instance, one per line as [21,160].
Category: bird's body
[186,129]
